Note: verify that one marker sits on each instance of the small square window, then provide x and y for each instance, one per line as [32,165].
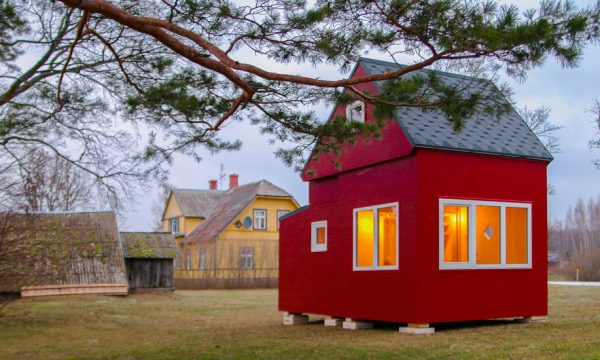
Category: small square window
[356,111]
[318,236]
[260,219]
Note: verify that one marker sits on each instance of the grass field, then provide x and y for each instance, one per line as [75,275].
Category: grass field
[246,324]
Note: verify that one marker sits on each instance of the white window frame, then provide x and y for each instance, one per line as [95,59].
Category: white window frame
[314,247]
[472,263]
[174,229]
[281,213]
[202,258]
[246,252]
[355,267]
[351,106]
[256,218]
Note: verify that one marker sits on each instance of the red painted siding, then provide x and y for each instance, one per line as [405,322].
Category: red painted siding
[325,283]
[393,144]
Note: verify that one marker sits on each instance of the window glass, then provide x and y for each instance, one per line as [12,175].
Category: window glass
[456,234]
[387,236]
[365,234]
[487,230]
[516,235]
[247,258]
[321,235]
[260,219]
[202,259]
[174,225]
[356,111]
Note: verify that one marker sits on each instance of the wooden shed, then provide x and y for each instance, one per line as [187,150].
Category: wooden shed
[61,254]
[425,225]
[149,259]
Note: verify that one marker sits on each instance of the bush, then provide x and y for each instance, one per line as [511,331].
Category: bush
[589,265]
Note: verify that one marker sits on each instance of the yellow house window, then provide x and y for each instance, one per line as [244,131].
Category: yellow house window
[484,234]
[260,219]
[246,258]
[174,225]
[376,237]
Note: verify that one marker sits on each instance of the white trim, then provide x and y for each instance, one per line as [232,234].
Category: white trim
[281,213]
[314,247]
[472,263]
[355,267]
[352,105]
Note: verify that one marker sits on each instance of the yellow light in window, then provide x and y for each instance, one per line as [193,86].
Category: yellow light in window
[364,238]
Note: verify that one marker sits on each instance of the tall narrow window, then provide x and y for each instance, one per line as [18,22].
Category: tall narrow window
[516,235]
[188,259]
[456,234]
[484,234]
[260,219]
[488,234]
[281,213]
[202,259]
[246,258]
[318,236]
[376,237]
[174,226]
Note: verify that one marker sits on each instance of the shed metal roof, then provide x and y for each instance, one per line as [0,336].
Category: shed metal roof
[149,245]
[508,136]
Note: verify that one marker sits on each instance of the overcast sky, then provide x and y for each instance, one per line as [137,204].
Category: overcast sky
[569,93]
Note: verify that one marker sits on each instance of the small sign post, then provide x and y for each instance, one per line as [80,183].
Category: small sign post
[577,274]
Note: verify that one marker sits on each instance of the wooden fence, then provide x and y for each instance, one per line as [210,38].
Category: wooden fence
[226,278]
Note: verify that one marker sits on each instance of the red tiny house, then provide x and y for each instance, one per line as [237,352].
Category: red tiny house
[468,213]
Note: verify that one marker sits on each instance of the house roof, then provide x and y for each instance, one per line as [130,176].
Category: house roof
[196,203]
[508,136]
[60,248]
[232,203]
[149,245]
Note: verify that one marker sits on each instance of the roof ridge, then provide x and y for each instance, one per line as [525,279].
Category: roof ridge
[145,232]
[439,72]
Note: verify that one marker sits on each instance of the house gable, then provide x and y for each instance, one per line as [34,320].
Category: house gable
[392,144]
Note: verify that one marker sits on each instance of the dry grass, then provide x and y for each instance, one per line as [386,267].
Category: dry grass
[246,324]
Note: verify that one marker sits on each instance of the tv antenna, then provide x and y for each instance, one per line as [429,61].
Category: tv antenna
[221,175]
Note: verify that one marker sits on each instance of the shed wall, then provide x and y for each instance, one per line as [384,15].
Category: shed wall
[149,273]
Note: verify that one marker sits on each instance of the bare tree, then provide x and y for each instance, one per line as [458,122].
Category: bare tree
[595,143]
[539,122]
[48,182]
[159,203]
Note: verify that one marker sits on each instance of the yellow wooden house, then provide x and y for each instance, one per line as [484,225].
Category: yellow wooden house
[227,233]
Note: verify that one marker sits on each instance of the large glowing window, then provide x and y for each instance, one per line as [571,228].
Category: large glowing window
[488,234]
[516,235]
[456,234]
[376,237]
[484,234]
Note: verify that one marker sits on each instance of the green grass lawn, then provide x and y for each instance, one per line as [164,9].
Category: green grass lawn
[246,324]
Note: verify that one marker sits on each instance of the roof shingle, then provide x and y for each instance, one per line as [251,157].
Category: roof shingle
[509,136]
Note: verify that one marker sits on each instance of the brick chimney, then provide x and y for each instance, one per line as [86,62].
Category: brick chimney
[212,184]
[233,181]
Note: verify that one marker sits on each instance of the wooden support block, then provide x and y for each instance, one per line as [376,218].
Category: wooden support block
[534,319]
[332,321]
[353,324]
[74,289]
[417,329]
[294,319]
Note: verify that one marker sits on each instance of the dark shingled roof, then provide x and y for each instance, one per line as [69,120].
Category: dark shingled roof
[149,245]
[509,136]
[231,205]
[60,248]
[196,203]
